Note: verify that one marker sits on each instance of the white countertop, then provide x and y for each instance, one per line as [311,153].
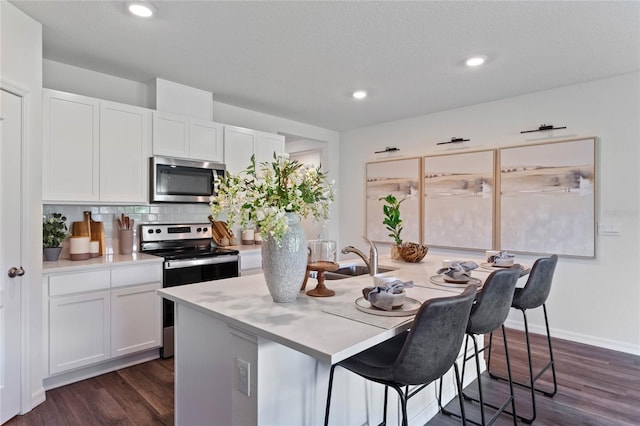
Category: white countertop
[66,265]
[304,325]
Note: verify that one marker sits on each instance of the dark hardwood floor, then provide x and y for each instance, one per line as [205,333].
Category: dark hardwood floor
[596,387]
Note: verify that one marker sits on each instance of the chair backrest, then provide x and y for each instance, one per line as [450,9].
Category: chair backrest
[493,302]
[538,286]
[434,340]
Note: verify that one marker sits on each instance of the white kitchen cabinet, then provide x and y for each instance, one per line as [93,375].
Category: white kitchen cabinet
[70,151]
[79,315]
[99,315]
[125,142]
[94,150]
[250,262]
[78,331]
[240,144]
[206,140]
[178,136]
[136,319]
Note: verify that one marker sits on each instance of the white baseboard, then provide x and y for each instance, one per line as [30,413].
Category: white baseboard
[578,337]
[37,398]
[53,382]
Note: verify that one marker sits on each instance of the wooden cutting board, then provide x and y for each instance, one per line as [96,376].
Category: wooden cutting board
[79,229]
[98,234]
[221,229]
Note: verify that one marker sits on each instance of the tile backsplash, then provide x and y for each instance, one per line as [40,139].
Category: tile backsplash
[156,213]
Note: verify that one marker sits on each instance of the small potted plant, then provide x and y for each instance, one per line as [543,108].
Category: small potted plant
[392,222]
[54,231]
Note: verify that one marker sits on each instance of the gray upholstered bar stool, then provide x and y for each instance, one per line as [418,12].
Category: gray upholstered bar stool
[533,295]
[417,357]
[488,313]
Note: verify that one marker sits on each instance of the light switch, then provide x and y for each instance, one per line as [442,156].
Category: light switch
[609,229]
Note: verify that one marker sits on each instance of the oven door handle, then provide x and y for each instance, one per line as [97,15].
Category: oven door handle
[175,264]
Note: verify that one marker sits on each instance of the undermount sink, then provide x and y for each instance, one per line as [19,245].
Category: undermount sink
[352,271]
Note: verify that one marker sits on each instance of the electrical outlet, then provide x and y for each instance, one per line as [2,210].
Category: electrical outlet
[243,369]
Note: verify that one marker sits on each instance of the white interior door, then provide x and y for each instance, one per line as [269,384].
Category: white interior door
[10,253]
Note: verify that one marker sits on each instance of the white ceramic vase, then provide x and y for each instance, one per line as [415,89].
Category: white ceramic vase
[284,265]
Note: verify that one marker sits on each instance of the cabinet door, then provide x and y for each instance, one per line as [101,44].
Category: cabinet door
[266,145]
[238,148]
[205,140]
[136,319]
[78,330]
[125,140]
[70,151]
[250,262]
[170,135]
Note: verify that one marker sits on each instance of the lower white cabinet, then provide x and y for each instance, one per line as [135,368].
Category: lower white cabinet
[78,330]
[95,316]
[250,262]
[134,319]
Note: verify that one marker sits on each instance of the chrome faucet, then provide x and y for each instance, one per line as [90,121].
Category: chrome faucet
[372,262]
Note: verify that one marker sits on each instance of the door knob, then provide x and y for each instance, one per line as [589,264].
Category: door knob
[15,272]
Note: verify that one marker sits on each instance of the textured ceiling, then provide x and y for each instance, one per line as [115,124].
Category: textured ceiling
[300,60]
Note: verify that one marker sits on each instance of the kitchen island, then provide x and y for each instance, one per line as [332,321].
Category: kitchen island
[242,359]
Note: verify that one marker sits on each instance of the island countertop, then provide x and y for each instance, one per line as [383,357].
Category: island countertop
[314,326]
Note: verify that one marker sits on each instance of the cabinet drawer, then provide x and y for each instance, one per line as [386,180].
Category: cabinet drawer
[121,277]
[79,283]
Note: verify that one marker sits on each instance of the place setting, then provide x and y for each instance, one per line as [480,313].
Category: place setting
[385,304]
[456,274]
[497,260]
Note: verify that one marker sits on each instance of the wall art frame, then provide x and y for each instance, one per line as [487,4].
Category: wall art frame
[402,178]
[459,199]
[547,200]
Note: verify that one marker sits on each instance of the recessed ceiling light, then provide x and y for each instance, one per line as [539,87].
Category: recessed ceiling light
[359,94]
[141,8]
[475,61]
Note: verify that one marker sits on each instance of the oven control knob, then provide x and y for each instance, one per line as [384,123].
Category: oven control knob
[150,231]
[158,231]
[204,229]
[198,229]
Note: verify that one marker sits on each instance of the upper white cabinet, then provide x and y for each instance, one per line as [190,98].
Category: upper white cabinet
[178,136]
[94,150]
[70,152]
[240,144]
[124,152]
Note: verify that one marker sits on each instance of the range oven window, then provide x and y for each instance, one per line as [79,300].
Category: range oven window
[181,180]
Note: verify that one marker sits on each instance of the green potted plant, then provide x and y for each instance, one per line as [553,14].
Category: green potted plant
[54,231]
[392,222]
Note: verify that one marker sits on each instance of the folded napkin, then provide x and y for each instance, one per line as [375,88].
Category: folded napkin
[382,296]
[501,257]
[459,270]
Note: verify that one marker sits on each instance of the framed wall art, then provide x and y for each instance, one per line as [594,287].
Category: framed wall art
[401,178]
[547,198]
[459,196]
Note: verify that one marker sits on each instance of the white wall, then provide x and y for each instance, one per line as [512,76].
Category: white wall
[595,301]
[21,69]
[82,81]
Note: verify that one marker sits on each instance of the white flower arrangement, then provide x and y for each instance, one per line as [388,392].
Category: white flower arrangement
[263,196]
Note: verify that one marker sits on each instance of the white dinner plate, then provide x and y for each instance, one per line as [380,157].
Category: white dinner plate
[410,307]
[439,280]
[490,267]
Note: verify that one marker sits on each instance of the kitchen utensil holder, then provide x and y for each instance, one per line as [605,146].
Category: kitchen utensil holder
[126,241]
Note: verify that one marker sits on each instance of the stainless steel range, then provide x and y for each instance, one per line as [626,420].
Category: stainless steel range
[190,256]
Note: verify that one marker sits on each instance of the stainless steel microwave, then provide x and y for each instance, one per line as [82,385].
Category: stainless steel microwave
[174,180]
